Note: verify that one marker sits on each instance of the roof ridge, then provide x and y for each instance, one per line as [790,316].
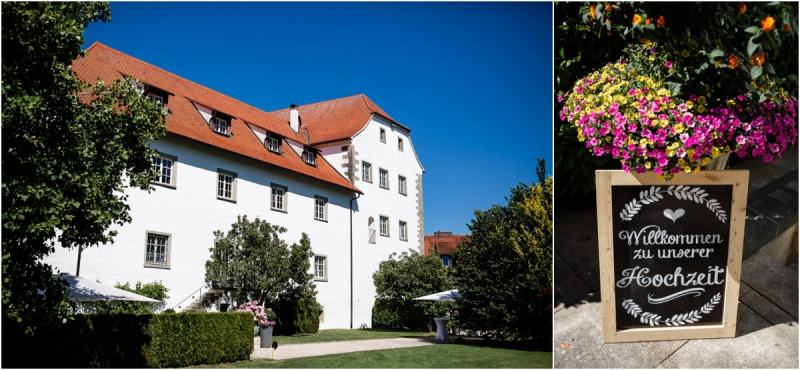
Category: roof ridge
[322,102]
[98,43]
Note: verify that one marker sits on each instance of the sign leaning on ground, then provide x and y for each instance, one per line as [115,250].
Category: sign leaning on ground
[670,254]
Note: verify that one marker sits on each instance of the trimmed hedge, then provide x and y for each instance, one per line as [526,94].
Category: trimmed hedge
[130,340]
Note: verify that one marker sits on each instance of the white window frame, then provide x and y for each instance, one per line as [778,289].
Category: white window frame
[270,140]
[384,221]
[400,144]
[366,171]
[160,158]
[275,201]
[403,230]
[320,208]
[324,265]
[167,249]
[402,185]
[221,176]
[383,181]
[382,135]
[310,157]
[215,125]
[155,98]
[449,260]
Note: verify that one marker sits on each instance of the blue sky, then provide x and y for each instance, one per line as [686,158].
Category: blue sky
[472,81]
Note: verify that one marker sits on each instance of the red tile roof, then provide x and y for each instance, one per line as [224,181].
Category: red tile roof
[107,64]
[443,243]
[336,119]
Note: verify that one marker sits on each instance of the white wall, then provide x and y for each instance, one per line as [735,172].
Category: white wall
[377,201]
[191,212]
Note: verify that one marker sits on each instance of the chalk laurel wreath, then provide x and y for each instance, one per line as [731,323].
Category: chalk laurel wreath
[652,319]
[682,192]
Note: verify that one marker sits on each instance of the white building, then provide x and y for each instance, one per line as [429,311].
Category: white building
[307,168]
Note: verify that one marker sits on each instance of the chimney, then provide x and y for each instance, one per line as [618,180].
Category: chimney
[294,118]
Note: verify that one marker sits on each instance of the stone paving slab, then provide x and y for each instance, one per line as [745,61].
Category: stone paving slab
[288,351]
[758,344]
[578,328]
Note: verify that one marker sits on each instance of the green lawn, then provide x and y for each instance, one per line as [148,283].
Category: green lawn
[334,335]
[433,356]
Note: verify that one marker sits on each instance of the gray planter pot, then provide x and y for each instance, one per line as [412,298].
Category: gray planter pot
[266,336]
[255,330]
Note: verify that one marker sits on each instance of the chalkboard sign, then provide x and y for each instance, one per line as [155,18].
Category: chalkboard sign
[670,254]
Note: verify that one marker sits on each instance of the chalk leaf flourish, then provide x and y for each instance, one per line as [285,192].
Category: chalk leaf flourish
[652,319]
[681,192]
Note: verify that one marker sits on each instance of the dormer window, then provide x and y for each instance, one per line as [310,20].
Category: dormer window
[310,157]
[155,98]
[273,143]
[221,125]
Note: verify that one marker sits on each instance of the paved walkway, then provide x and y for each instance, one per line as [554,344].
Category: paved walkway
[767,322]
[330,348]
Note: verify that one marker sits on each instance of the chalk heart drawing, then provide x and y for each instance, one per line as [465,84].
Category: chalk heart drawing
[674,215]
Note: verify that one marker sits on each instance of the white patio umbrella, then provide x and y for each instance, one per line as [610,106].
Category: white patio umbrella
[86,290]
[446,296]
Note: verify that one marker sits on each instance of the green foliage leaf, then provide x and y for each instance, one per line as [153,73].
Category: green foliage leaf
[752,29]
[752,46]
[755,72]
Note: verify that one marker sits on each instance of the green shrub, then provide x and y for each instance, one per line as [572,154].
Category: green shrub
[130,340]
[398,281]
[301,316]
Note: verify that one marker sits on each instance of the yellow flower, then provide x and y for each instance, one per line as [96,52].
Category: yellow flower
[678,128]
[714,152]
[705,161]
[701,100]
[689,104]
[642,142]
[687,169]
[651,58]
[648,165]
[592,11]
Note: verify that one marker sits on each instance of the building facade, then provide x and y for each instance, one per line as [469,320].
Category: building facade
[342,171]
[444,244]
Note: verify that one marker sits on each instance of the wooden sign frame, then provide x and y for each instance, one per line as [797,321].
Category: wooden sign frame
[605,179]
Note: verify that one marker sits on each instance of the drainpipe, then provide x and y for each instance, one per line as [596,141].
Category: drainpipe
[351,257]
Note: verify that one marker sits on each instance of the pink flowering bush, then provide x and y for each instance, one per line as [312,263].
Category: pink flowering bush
[634,118]
[259,315]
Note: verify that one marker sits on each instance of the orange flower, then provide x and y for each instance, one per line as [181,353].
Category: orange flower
[592,11]
[661,22]
[758,58]
[768,24]
[742,8]
[786,27]
[733,61]
[637,19]
[647,21]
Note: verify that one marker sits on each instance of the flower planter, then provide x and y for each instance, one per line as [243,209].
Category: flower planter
[719,163]
[266,336]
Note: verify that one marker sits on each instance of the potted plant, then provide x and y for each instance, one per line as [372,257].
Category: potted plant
[627,110]
[261,324]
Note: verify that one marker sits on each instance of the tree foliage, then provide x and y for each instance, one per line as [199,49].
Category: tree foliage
[402,278]
[66,146]
[504,269]
[252,262]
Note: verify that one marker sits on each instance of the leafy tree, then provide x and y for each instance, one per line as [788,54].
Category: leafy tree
[252,262]
[155,290]
[66,147]
[297,309]
[504,270]
[402,278]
